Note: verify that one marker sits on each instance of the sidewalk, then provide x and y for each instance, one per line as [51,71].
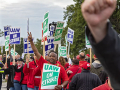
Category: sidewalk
[4,84]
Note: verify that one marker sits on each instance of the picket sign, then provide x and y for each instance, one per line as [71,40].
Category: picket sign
[14,35]
[70,35]
[58,32]
[6,46]
[27,46]
[50,45]
[50,76]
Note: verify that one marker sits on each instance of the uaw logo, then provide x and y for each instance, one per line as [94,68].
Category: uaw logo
[17,30]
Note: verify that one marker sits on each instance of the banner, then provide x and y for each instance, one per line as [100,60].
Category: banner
[7,43]
[50,45]
[58,32]
[45,24]
[50,76]
[14,35]
[70,35]
[25,46]
[62,51]
[6,31]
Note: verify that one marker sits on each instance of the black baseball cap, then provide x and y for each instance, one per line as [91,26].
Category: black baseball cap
[19,59]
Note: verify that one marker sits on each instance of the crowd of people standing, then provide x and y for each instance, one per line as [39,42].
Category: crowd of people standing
[79,75]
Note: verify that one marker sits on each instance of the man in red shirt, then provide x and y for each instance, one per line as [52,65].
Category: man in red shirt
[82,59]
[74,69]
[52,60]
[106,86]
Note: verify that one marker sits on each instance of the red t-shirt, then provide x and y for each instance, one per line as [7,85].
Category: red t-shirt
[31,79]
[66,65]
[103,87]
[81,63]
[62,74]
[18,74]
[75,69]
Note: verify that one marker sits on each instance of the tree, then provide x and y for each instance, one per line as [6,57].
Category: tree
[115,18]
[39,46]
[1,33]
[75,21]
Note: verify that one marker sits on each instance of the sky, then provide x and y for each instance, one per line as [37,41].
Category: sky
[16,13]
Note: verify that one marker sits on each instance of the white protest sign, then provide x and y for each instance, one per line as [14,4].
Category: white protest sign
[7,43]
[50,76]
[14,35]
[87,42]
[58,32]
[70,35]
[45,24]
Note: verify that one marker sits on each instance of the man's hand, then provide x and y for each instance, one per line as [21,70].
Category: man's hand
[69,72]
[27,60]
[97,11]
[29,36]
[58,87]
[96,14]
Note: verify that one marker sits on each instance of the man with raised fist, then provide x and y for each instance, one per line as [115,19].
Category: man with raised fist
[103,38]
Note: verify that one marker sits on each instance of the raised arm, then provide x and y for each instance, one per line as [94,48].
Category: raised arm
[38,55]
[96,13]
[103,38]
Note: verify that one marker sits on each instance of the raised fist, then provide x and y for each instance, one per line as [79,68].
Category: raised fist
[97,11]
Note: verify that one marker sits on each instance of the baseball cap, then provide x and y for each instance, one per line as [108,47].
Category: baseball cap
[86,66]
[19,59]
[78,57]
[88,55]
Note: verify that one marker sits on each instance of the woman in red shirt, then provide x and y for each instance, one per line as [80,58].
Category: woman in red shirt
[63,62]
[20,79]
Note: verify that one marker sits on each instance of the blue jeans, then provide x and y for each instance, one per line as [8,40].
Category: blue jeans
[36,88]
[24,87]
[17,85]
[12,88]
[30,88]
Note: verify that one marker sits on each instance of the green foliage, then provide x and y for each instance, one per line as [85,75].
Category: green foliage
[39,46]
[115,18]
[3,50]
[1,33]
[75,21]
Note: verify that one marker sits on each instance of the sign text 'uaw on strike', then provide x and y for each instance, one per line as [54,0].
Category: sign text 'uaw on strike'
[14,35]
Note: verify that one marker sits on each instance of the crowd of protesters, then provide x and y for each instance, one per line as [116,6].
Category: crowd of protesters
[102,74]
[26,74]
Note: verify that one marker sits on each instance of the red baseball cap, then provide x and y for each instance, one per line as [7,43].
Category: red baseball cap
[88,55]
[78,57]
[95,56]
[86,66]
